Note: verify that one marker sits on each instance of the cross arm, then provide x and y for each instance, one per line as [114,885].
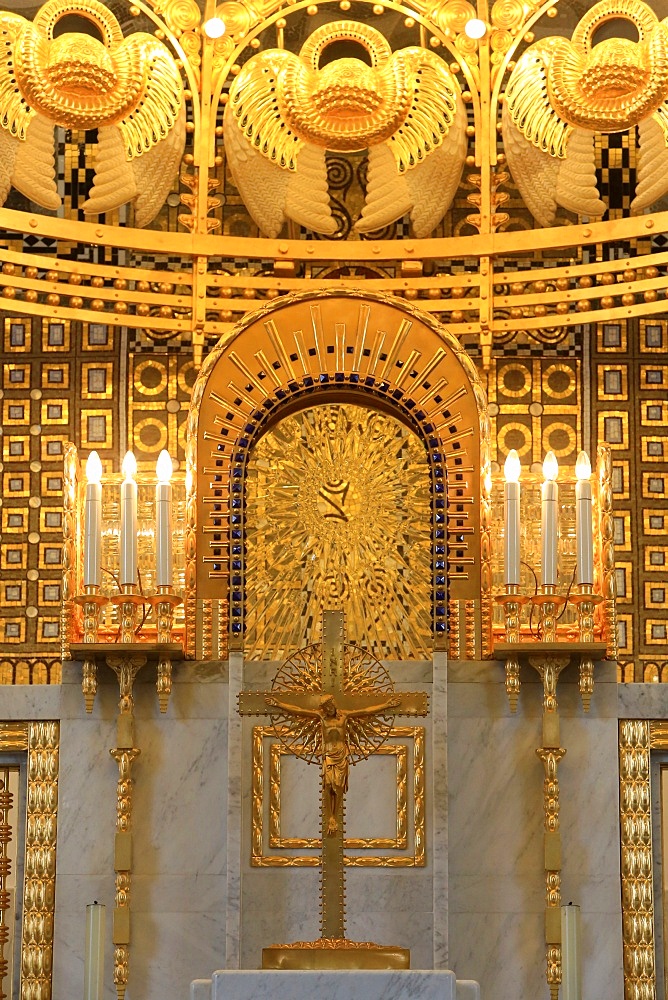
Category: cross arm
[255,702]
[412,703]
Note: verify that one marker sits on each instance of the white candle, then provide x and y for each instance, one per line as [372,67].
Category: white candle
[549,520]
[93,522]
[571,963]
[512,469]
[129,521]
[583,520]
[94,957]
[163,520]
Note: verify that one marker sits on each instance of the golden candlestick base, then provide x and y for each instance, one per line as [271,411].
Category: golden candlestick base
[128,602]
[586,601]
[549,604]
[92,603]
[512,604]
[164,602]
[335,954]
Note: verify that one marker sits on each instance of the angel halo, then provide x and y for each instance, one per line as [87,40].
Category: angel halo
[284,112]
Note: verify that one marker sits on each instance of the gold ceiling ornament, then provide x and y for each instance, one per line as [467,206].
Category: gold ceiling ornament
[284,111]
[561,92]
[129,89]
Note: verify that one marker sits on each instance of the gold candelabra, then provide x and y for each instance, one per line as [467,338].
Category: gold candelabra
[125,658]
[549,658]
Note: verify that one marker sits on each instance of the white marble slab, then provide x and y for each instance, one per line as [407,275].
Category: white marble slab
[408,985]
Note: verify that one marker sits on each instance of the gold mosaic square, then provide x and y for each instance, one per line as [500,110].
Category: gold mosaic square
[656,594]
[52,484]
[613,382]
[624,578]
[13,630]
[18,335]
[52,447]
[97,380]
[621,526]
[15,376]
[13,593]
[653,376]
[655,484]
[14,520]
[55,376]
[98,337]
[653,337]
[55,411]
[656,631]
[15,412]
[656,558]
[15,447]
[15,485]
[654,449]
[96,429]
[625,634]
[55,335]
[613,428]
[611,337]
[655,522]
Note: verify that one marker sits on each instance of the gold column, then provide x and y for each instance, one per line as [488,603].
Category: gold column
[636,858]
[549,667]
[125,666]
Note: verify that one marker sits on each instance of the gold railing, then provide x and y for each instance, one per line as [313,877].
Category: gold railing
[492,300]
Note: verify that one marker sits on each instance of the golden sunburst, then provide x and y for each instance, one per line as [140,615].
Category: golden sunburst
[338,517]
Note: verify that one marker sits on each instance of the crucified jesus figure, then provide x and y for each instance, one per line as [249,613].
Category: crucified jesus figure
[335,748]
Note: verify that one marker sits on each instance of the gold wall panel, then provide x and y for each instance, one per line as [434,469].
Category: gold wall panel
[411,835]
[338,515]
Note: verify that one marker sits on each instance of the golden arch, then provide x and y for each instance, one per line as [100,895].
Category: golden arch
[334,345]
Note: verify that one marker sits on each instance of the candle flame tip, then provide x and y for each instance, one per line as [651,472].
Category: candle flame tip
[93,468]
[583,466]
[164,466]
[129,466]
[512,467]
[550,466]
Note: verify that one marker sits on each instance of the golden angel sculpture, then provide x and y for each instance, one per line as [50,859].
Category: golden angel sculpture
[562,92]
[284,112]
[129,89]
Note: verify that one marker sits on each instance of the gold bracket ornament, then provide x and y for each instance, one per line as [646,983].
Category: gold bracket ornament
[164,603]
[512,602]
[92,603]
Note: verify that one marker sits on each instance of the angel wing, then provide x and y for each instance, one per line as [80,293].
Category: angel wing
[161,104]
[652,177]
[35,165]
[15,114]
[418,169]
[279,176]
[553,164]
[27,148]
[145,180]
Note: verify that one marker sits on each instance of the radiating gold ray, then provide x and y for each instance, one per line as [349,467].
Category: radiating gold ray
[338,516]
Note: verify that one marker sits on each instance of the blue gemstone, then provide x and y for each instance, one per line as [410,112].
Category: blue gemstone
[236,627]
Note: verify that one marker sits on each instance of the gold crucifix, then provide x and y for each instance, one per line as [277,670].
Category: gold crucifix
[333,704]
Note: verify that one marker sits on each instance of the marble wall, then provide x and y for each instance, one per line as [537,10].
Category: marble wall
[196,900]
[179,879]
[496,831]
